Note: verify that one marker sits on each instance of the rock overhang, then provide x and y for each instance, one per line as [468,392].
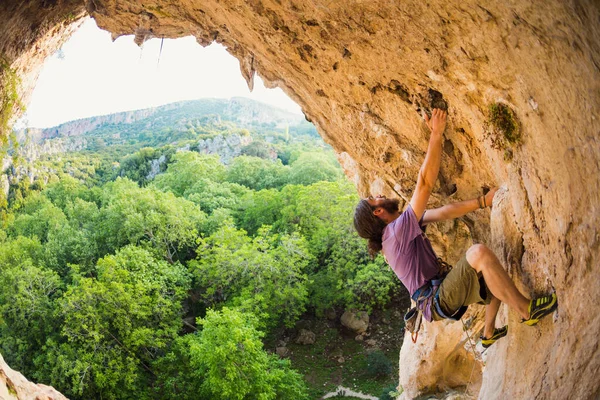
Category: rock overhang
[363,73]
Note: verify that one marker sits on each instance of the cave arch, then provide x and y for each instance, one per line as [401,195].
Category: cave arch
[362,71]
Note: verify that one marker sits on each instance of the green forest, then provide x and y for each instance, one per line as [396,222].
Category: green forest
[117,284]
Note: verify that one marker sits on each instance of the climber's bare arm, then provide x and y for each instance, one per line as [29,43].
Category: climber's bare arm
[431,165]
[458,209]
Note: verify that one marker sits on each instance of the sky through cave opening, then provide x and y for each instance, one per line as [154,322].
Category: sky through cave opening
[92,75]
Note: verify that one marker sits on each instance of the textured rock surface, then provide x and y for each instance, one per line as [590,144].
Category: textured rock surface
[358,321]
[443,358]
[305,337]
[282,351]
[31,31]
[82,126]
[13,385]
[227,147]
[362,70]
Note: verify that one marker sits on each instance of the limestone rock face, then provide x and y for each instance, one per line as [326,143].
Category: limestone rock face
[80,127]
[14,386]
[358,321]
[444,356]
[306,337]
[226,147]
[363,72]
[282,351]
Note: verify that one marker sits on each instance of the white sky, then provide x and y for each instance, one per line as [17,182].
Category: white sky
[96,76]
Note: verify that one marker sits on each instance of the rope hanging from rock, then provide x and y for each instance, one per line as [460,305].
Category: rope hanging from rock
[474,354]
[162,40]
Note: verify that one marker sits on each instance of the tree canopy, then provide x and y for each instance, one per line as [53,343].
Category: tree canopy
[119,283]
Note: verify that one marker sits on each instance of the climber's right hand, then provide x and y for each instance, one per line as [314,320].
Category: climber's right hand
[437,122]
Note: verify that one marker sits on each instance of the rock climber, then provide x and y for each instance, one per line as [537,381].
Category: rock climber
[477,278]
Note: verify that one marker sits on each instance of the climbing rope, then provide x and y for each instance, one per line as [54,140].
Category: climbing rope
[474,355]
[141,46]
[162,40]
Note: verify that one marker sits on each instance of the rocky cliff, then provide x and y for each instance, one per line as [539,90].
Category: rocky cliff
[114,129]
[521,81]
[82,126]
[15,386]
[181,116]
[244,112]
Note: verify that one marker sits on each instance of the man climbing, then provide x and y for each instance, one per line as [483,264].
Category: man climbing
[477,278]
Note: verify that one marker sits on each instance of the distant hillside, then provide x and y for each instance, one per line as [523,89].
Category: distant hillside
[243,112]
[227,128]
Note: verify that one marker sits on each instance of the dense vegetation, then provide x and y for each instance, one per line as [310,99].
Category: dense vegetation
[118,285]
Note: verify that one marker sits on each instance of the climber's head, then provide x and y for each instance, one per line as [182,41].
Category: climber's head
[370,218]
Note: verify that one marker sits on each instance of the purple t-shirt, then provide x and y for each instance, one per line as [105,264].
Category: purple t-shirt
[409,253]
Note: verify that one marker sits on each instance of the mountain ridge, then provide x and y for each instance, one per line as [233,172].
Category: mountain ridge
[243,111]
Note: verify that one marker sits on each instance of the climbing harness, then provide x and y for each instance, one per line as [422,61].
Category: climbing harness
[412,322]
[427,295]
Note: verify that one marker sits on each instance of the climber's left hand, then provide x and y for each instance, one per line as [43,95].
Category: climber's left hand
[489,197]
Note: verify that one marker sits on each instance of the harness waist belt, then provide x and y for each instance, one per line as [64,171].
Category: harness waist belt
[455,316]
[426,290]
[431,289]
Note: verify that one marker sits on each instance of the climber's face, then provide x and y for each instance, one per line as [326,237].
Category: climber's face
[376,201]
[382,202]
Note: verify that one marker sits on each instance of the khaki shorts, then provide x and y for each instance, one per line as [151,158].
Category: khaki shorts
[461,287]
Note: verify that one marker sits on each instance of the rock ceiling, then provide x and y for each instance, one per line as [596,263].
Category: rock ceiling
[365,71]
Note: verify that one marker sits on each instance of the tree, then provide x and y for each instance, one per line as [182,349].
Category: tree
[20,251]
[39,218]
[256,173]
[166,224]
[115,325]
[65,190]
[186,169]
[210,195]
[219,218]
[230,351]
[264,275]
[322,213]
[259,208]
[313,167]
[178,376]
[258,148]
[278,291]
[27,304]
[371,287]
[138,166]
[76,241]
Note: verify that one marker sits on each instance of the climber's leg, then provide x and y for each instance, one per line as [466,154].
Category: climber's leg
[461,287]
[483,260]
[491,310]
[499,333]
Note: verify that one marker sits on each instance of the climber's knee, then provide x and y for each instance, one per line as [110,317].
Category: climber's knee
[476,256]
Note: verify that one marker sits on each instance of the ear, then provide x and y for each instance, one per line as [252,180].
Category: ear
[378,211]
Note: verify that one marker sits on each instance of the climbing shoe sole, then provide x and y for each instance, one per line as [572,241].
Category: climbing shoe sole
[540,307]
[498,333]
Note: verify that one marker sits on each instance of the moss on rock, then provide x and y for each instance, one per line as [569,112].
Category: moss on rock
[503,129]
[504,121]
[9,98]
